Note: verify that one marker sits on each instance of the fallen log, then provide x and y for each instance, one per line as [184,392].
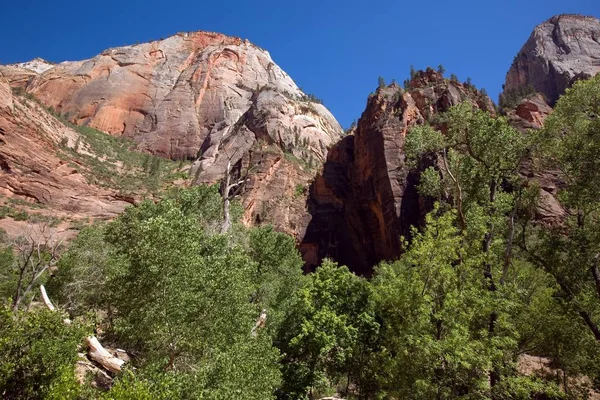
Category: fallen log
[95,350]
[102,356]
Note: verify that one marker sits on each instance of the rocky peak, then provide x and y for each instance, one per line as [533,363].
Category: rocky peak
[37,65]
[194,95]
[366,196]
[560,51]
[205,97]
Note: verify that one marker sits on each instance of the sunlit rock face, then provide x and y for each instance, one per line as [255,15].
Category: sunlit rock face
[33,170]
[205,97]
[559,51]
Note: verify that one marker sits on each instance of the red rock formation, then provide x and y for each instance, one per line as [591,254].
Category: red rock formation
[31,169]
[366,197]
[200,96]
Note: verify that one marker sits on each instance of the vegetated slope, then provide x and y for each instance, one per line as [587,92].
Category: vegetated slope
[55,172]
[204,97]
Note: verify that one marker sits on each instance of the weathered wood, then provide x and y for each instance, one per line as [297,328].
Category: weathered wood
[260,323]
[95,350]
[102,356]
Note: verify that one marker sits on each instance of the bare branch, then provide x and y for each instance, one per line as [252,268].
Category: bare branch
[95,350]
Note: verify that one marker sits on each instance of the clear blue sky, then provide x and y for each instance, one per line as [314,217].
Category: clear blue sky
[333,49]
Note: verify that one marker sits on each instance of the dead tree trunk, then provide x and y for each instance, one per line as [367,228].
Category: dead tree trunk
[226,201]
[95,350]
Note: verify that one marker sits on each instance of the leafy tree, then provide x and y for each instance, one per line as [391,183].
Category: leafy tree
[80,283]
[479,159]
[570,252]
[380,82]
[278,272]
[180,293]
[432,306]
[325,341]
[185,298]
[38,352]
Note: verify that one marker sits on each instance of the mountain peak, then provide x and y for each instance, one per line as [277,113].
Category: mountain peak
[560,51]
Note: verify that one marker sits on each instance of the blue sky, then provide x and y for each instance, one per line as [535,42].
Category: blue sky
[333,49]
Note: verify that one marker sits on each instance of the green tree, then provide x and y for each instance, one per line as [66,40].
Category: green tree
[325,340]
[80,282]
[441,70]
[278,273]
[480,157]
[570,252]
[433,304]
[38,352]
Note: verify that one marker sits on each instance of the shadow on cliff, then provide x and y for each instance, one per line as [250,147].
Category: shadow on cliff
[341,223]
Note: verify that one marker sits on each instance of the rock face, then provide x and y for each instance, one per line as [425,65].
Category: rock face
[30,166]
[366,197]
[198,96]
[204,97]
[530,113]
[559,51]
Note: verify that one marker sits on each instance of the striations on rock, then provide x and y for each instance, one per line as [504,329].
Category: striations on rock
[200,96]
[366,197]
[559,51]
[30,166]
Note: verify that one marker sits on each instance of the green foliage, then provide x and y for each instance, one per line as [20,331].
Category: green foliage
[184,298]
[80,282]
[300,190]
[526,388]
[434,308]
[380,82]
[113,162]
[14,213]
[222,316]
[7,277]
[324,339]
[569,252]
[441,70]
[511,98]
[38,353]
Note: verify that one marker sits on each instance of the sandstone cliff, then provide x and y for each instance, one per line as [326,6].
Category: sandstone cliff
[203,97]
[198,96]
[559,51]
[38,174]
[366,197]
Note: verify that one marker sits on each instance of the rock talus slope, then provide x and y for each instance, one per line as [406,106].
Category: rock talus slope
[32,170]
